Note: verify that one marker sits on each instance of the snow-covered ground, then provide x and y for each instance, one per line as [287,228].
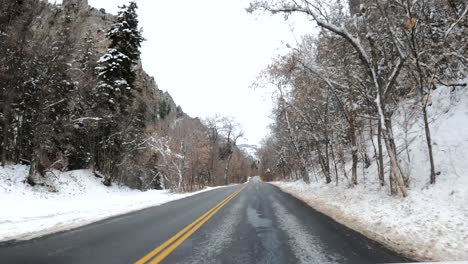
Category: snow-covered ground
[69,200]
[432,222]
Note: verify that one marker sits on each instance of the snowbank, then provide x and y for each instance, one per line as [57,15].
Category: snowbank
[70,200]
[432,222]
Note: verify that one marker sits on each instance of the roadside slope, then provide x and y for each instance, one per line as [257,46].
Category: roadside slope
[432,222]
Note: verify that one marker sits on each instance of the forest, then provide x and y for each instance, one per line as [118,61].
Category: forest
[338,92]
[74,96]
[363,159]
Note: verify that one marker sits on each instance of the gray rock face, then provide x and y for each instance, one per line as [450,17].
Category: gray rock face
[75,3]
[88,23]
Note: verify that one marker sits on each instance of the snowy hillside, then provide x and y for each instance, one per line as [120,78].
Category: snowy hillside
[64,201]
[432,222]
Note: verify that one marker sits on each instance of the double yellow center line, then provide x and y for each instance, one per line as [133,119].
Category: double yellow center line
[159,253]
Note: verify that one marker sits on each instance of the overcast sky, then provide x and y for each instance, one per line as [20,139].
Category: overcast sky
[206,53]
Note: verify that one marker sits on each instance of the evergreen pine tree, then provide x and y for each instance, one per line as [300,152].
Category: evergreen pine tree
[116,92]
[115,68]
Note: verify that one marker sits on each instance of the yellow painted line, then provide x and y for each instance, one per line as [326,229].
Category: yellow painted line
[191,228]
[171,248]
[188,227]
[179,234]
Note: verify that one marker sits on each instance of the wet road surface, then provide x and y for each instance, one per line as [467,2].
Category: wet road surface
[248,223]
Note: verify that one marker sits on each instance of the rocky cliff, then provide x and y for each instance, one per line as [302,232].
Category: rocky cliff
[89,25]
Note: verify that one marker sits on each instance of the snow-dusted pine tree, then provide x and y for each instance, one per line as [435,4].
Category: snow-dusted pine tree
[115,92]
[115,68]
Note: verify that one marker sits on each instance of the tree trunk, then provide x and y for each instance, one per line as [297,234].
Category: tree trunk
[334,163]
[181,179]
[421,79]
[111,171]
[381,162]
[394,165]
[343,163]
[326,160]
[429,145]
[108,180]
[226,170]
[296,148]
[32,170]
[305,175]
[192,177]
[354,150]
[19,146]
[209,177]
[5,133]
[324,165]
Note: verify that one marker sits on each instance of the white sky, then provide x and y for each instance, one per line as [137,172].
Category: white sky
[206,53]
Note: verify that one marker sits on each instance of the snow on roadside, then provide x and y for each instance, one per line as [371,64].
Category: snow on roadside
[432,222]
[417,227]
[70,200]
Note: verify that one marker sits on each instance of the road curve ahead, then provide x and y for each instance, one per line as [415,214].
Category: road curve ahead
[249,223]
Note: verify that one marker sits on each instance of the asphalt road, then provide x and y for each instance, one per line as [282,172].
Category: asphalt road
[260,224]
